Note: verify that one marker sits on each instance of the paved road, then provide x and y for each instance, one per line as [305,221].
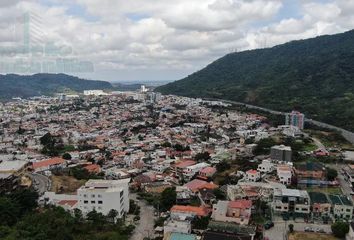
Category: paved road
[318,143]
[145,226]
[41,182]
[278,232]
[345,186]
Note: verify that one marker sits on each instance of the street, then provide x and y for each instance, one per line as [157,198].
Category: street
[40,182]
[280,229]
[145,226]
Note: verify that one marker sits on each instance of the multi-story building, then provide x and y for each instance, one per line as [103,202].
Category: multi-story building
[253,176]
[104,195]
[284,174]
[190,171]
[342,207]
[310,170]
[266,166]
[281,153]
[291,201]
[296,119]
[320,205]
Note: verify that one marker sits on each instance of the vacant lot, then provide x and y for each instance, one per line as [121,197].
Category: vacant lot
[310,236]
[65,184]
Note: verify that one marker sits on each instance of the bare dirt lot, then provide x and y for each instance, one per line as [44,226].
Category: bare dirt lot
[65,184]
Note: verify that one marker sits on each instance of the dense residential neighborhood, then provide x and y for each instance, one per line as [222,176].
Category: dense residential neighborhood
[173,167]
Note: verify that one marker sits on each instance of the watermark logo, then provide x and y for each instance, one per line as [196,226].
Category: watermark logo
[31,53]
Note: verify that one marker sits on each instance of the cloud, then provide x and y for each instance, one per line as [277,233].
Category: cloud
[140,39]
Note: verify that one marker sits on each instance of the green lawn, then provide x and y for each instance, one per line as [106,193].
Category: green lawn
[328,190]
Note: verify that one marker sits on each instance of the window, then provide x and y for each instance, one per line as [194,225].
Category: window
[278,207]
[85,195]
[99,202]
[93,202]
[121,194]
[99,208]
[85,201]
[348,210]
[93,195]
[99,195]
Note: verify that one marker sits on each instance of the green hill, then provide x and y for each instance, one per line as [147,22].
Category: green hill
[12,85]
[315,76]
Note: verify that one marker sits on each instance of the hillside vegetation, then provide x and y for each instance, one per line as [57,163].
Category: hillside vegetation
[315,76]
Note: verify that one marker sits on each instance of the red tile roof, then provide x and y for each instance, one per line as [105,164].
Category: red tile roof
[208,170]
[68,202]
[185,164]
[48,162]
[199,211]
[94,168]
[197,184]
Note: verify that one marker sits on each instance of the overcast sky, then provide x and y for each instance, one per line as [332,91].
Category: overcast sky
[155,39]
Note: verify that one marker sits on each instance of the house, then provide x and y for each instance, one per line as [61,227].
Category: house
[320,204]
[228,231]
[238,211]
[284,174]
[266,166]
[192,170]
[253,176]
[48,164]
[342,207]
[184,195]
[188,212]
[179,167]
[196,184]
[310,170]
[177,226]
[93,168]
[207,172]
[104,195]
[291,201]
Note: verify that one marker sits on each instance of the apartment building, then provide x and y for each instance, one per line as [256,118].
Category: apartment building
[281,153]
[291,201]
[342,207]
[104,195]
[266,166]
[284,174]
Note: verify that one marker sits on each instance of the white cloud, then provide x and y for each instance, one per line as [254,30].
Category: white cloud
[137,39]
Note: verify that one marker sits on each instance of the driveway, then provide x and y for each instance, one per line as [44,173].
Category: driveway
[145,226]
[41,182]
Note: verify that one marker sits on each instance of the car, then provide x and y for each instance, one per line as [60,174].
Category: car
[309,229]
[268,225]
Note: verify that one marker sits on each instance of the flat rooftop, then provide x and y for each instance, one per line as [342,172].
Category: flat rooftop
[340,200]
[318,197]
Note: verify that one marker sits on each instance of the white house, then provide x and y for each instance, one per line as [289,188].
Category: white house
[253,175]
[190,171]
[266,166]
[104,195]
[284,173]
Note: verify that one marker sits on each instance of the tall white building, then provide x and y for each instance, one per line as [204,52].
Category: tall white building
[104,195]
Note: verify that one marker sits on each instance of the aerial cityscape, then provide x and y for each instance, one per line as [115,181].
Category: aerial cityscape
[177,120]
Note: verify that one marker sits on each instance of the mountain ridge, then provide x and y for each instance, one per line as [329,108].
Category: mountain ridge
[315,76]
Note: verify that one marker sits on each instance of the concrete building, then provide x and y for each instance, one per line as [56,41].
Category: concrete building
[281,153]
[266,166]
[284,174]
[190,171]
[238,211]
[342,207]
[296,119]
[252,176]
[291,201]
[177,226]
[104,195]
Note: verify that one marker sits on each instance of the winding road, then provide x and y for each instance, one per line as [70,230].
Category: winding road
[41,182]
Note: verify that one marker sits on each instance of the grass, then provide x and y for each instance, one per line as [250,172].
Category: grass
[330,139]
[327,190]
[309,147]
[310,236]
[65,184]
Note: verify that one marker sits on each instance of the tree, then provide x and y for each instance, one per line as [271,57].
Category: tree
[291,228]
[220,195]
[200,223]
[331,174]
[340,229]
[200,157]
[222,166]
[67,156]
[168,198]
[112,214]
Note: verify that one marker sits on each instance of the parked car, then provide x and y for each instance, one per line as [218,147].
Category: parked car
[309,229]
[268,225]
